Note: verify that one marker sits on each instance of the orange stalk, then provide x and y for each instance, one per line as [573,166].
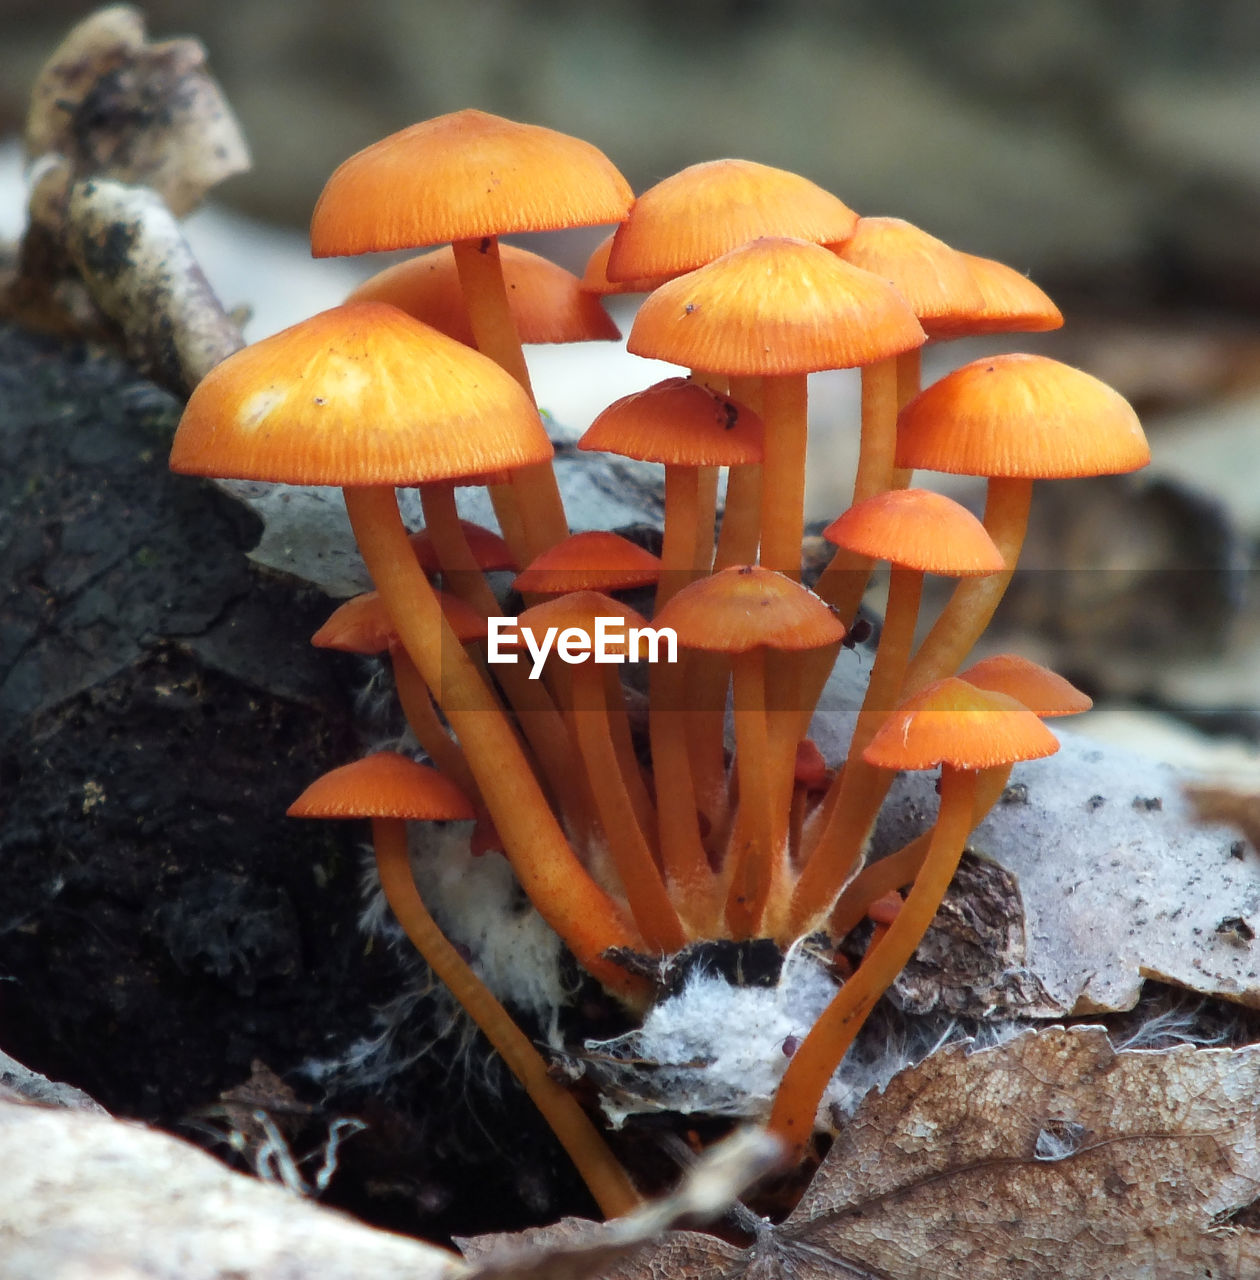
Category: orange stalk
[900,868]
[537,494]
[820,1053]
[785,413]
[640,878]
[556,882]
[975,600]
[607,1181]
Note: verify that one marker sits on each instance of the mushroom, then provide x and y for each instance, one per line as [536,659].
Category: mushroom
[468,178]
[1045,694]
[1013,418]
[967,732]
[365,397]
[918,532]
[743,612]
[776,309]
[708,209]
[390,789]
[547,302]
[621,800]
[690,429]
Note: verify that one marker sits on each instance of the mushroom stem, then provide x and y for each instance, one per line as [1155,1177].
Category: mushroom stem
[607,1181]
[485,294]
[740,533]
[583,915]
[849,812]
[820,1053]
[627,757]
[417,705]
[741,515]
[653,912]
[900,868]
[756,872]
[706,519]
[540,722]
[975,600]
[686,864]
[682,521]
[842,583]
[785,413]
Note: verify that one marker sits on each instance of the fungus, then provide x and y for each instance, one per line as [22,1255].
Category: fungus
[1012,418]
[917,532]
[708,209]
[690,429]
[365,397]
[621,801]
[547,302]
[468,178]
[743,612]
[776,309]
[966,731]
[390,789]
[595,560]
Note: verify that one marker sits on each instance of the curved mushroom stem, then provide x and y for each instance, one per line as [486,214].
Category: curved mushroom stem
[849,813]
[900,868]
[785,412]
[637,870]
[963,620]
[556,882]
[820,1053]
[607,1181]
[417,705]
[534,487]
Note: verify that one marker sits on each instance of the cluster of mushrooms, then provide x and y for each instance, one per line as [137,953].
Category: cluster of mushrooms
[629,822]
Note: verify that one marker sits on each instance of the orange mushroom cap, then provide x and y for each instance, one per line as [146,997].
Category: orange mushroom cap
[1041,690]
[748,607]
[383,785]
[580,610]
[546,301]
[358,395]
[775,306]
[708,209]
[460,177]
[1020,416]
[595,276]
[920,530]
[1010,303]
[933,278]
[362,625]
[680,423]
[489,550]
[596,560]
[952,722]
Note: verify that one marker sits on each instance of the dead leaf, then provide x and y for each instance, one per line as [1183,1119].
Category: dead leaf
[1238,808]
[1111,893]
[1051,1156]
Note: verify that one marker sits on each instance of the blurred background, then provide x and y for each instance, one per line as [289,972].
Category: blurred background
[1111,151]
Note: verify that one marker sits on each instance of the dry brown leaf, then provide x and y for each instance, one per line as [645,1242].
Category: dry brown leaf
[1237,807]
[1051,1156]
